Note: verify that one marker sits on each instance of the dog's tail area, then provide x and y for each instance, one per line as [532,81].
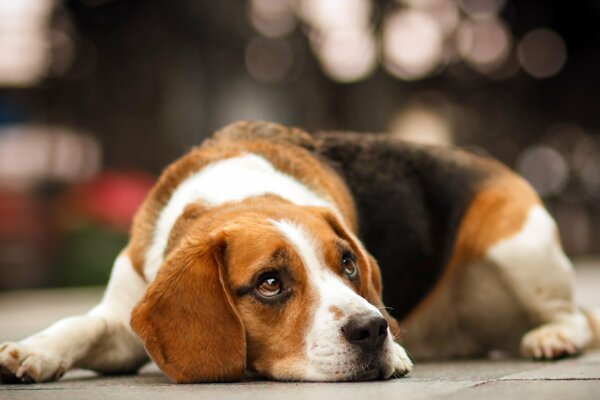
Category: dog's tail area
[593,317]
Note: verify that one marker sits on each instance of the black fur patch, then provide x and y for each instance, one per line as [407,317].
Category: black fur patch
[410,201]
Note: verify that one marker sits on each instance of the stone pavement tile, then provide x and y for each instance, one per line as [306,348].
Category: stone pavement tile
[553,390]
[561,370]
[88,380]
[469,370]
[591,356]
[25,312]
[399,388]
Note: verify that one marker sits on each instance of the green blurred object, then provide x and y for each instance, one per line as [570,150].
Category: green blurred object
[87,254]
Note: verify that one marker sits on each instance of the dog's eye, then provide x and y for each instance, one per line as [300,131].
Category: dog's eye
[349,264]
[270,287]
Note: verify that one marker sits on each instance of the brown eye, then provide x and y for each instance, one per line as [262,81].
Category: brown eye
[270,287]
[349,264]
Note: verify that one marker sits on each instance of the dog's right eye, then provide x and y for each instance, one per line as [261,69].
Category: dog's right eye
[270,287]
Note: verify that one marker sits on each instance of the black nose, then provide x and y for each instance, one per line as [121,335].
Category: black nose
[366,331]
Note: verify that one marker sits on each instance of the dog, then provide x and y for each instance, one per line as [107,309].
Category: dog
[470,259]
[243,257]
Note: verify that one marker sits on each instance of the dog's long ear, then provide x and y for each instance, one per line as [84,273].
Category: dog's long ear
[187,319]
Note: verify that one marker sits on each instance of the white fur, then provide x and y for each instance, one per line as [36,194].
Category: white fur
[524,281]
[101,339]
[329,355]
[545,287]
[232,179]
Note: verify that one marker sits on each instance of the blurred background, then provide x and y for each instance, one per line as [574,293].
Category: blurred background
[97,96]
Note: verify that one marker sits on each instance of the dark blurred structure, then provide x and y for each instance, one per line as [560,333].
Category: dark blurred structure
[97,96]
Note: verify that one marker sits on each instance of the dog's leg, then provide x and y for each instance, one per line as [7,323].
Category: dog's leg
[535,268]
[100,340]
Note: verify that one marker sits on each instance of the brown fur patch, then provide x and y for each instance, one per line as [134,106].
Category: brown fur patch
[187,319]
[285,157]
[337,313]
[14,354]
[498,211]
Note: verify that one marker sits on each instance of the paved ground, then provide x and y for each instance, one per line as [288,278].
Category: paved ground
[22,313]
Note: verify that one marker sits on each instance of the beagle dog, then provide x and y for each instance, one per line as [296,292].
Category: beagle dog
[243,257]
[470,259]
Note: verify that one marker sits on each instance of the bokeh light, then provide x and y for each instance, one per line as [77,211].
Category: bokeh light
[542,53]
[62,50]
[30,154]
[347,55]
[272,18]
[325,15]
[586,147]
[341,37]
[412,44]
[421,124]
[545,168]
[481,8]
[484,43]
[590,175]
[24,49]
[269,60]
[444,12]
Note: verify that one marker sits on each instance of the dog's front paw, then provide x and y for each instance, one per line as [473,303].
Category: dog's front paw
[400,361]
[21,364]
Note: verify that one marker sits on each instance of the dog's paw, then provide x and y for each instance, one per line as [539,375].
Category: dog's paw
[21,364]
[548,343]
[400,361]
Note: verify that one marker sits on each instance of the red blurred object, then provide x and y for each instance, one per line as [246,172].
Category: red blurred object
[113,197]
[26,237]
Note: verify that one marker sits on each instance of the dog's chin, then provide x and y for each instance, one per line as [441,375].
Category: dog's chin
[370,374]
[375,370]
[361,367]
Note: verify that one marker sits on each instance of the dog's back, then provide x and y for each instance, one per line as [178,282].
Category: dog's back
[410,200]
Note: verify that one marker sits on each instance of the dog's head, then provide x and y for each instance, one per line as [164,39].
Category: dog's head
[283,290]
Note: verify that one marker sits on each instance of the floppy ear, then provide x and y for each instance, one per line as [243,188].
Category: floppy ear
[187,319]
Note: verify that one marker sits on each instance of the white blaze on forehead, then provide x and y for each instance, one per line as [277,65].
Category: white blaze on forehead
[328,354]
[330,288]
[232,179]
